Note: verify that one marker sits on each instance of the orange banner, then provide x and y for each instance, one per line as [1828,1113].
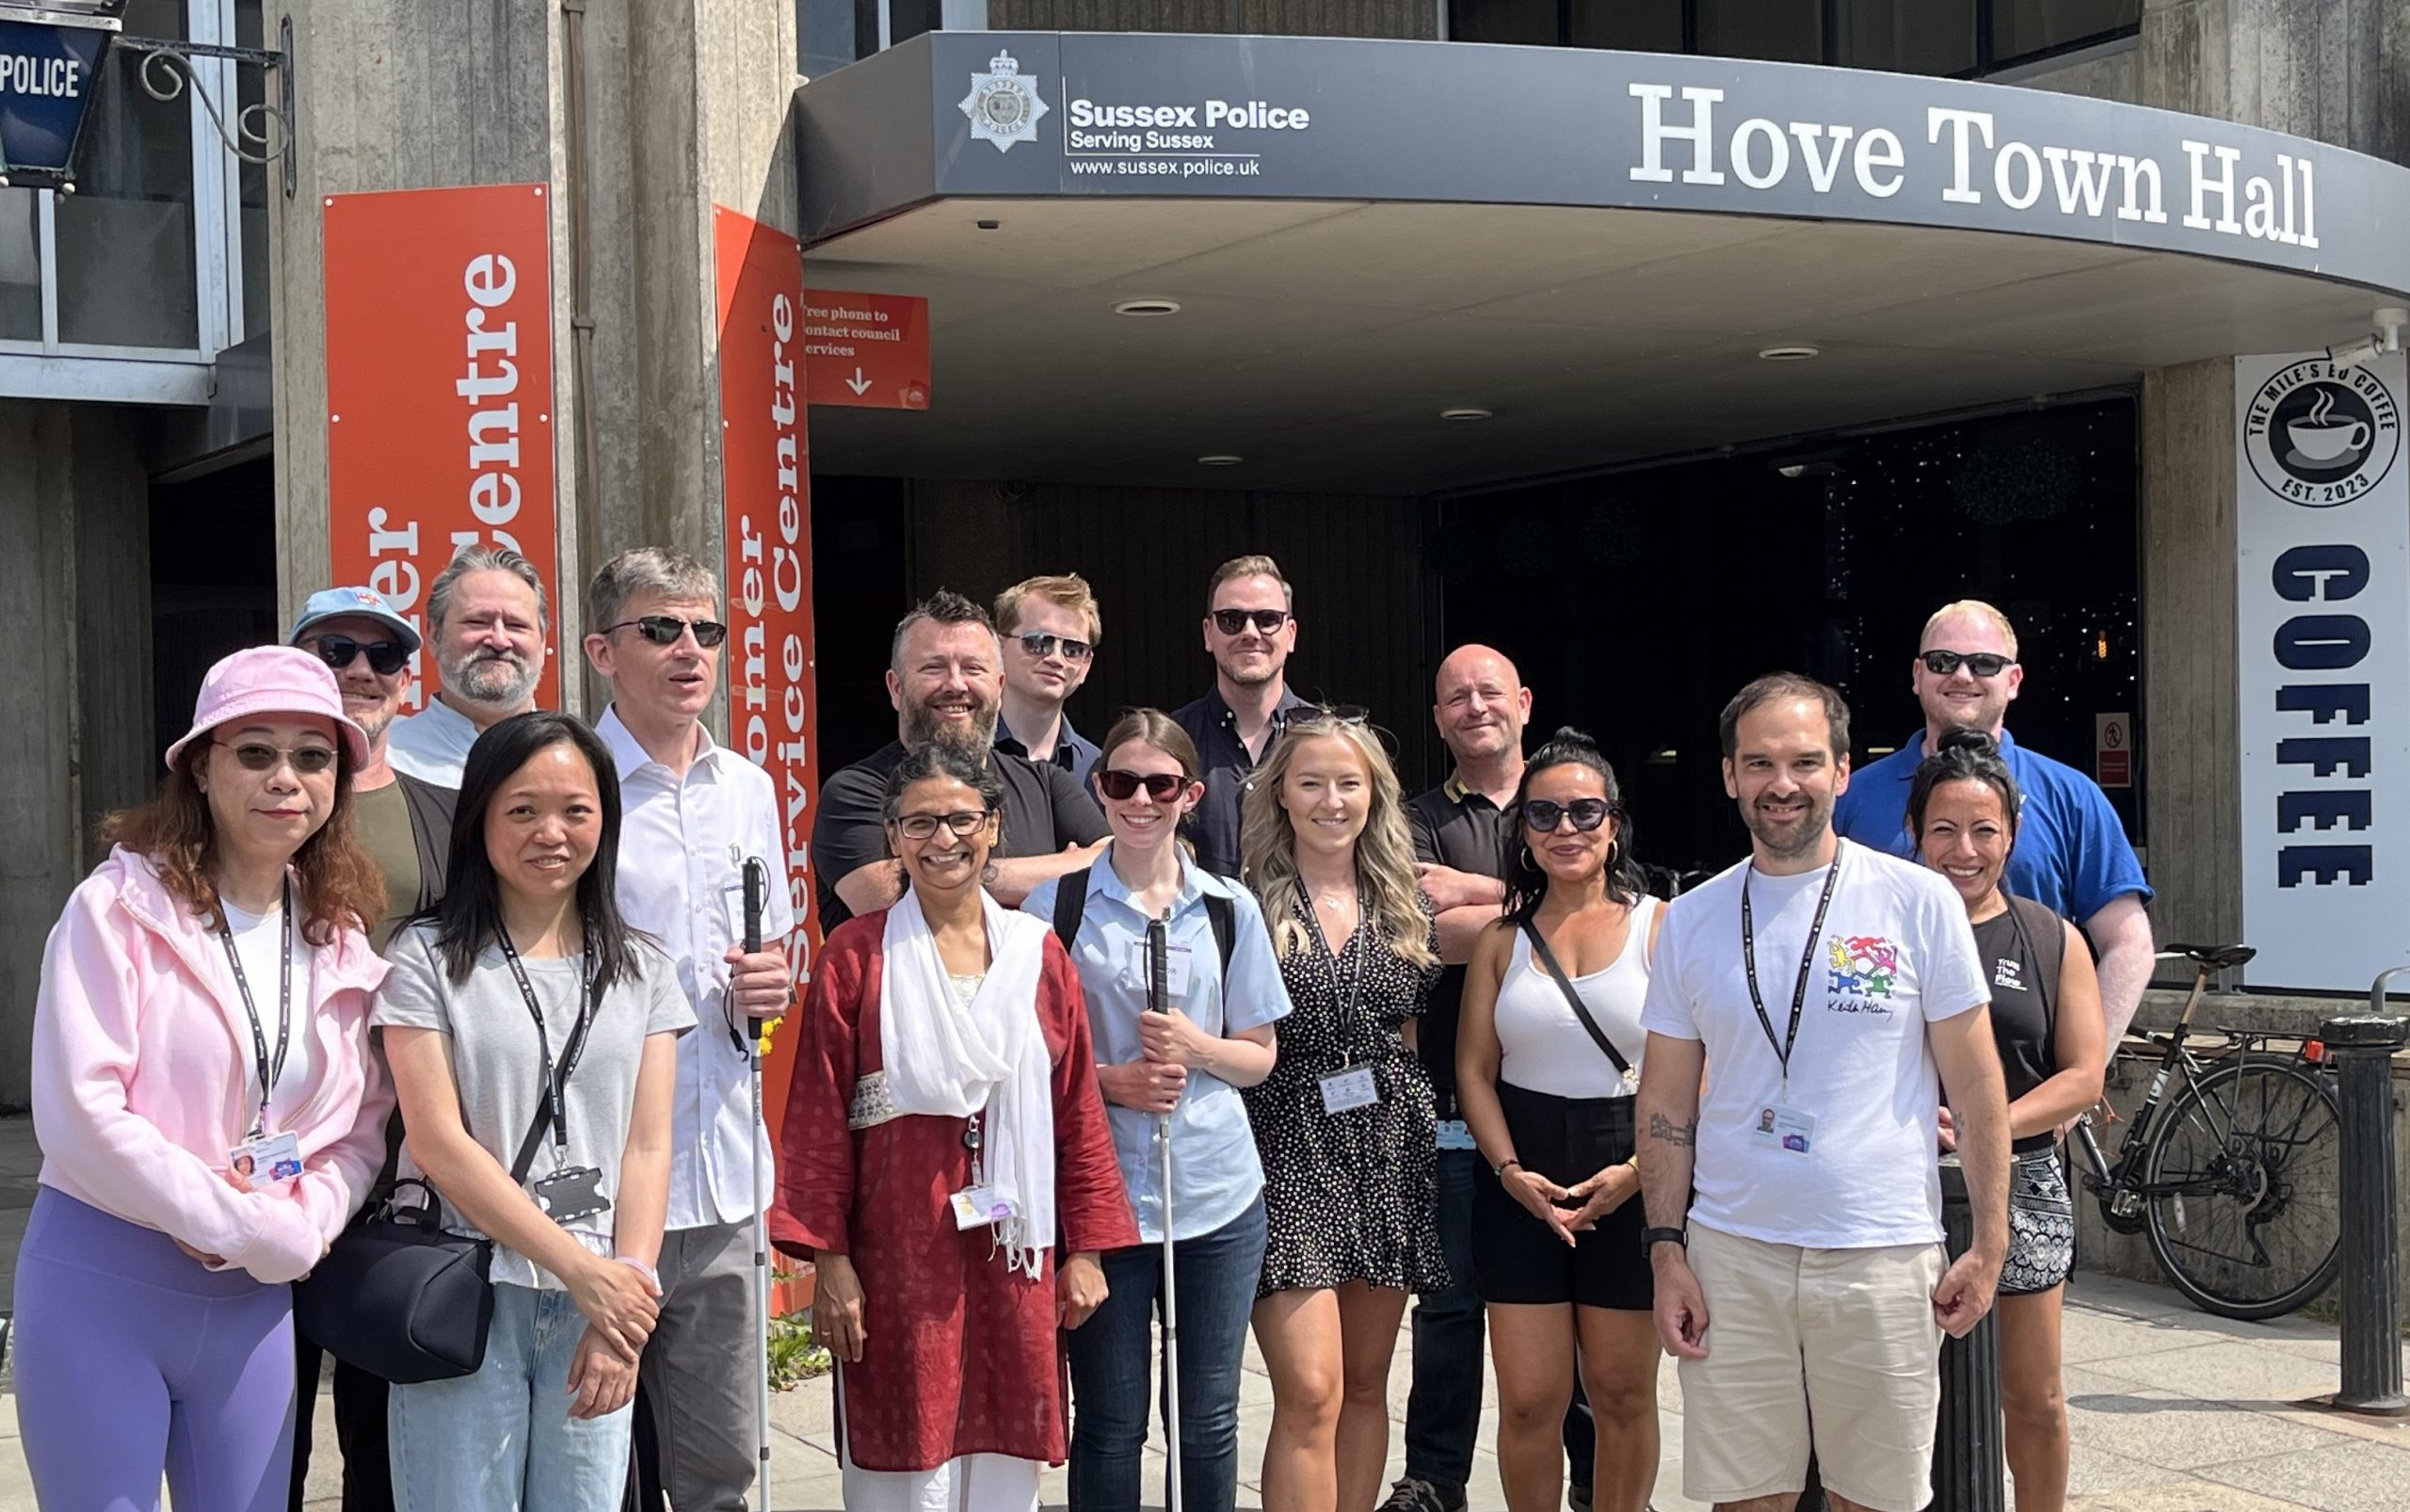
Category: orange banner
[439,392]
[772,697]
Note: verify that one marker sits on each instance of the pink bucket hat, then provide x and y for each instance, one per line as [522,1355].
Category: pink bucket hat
[270,680]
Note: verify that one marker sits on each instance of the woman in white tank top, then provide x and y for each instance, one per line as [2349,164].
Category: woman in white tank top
[1548,1056]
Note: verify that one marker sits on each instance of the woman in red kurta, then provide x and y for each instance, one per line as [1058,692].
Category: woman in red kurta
[935,1231]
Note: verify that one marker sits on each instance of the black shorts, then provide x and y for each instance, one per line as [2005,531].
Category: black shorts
[1519,1259]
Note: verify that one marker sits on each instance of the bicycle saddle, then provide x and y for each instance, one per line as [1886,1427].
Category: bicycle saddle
[2216,958]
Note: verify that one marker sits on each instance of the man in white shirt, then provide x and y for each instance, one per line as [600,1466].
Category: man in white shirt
[692,812]
[485,623]
[1837,994]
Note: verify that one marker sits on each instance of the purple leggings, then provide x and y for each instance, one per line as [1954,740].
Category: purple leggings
[134,1360]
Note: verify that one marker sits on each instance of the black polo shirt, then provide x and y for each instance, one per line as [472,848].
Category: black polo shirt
[1461,829]
[1073,752]
[1044,811]
[1214,828]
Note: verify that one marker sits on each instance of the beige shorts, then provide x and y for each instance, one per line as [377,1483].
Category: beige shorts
[1841,1339]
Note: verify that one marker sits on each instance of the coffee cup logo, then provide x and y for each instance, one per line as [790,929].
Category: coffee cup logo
[2323,435]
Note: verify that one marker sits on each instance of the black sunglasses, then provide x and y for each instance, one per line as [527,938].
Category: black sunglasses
[1073,651]
[258,756]
[1542,815]
[1122,786]
[385,657]
[1981,663]
[1231,621]
[663,630]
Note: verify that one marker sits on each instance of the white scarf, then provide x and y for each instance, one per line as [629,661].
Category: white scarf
[950,1061]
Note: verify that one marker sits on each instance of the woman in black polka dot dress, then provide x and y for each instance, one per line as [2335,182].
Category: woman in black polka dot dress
[1345,1121]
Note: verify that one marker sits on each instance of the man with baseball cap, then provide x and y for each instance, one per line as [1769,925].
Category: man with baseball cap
[406,827]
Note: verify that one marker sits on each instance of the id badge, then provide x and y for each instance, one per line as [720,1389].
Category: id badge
[1787,1128]
[1175,970]
[567,1195]
[1352,1088]
[266,1158]
[976,1207]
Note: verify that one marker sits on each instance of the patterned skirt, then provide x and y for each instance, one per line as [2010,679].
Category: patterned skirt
[2041,1225]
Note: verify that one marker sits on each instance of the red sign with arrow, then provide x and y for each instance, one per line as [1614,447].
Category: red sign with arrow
[867,350]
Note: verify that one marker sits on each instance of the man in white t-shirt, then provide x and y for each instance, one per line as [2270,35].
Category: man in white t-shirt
[1838,994]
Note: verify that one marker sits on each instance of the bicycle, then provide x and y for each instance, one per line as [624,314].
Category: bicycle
[2236,1183]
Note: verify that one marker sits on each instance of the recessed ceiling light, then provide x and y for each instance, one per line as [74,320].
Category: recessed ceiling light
[1464,411]
[1798,353]
[1147,307]
[1220,460]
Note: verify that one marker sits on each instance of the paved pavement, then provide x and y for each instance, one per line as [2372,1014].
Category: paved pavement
[2172,1411]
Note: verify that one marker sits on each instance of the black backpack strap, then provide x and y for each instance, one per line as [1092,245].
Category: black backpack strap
[2044,935]
[1070,906]
[1223,915]
[1581,1010]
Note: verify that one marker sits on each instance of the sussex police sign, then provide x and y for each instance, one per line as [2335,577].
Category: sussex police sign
[48,74]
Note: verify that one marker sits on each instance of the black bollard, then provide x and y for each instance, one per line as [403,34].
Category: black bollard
[1967,1464]
[2362,1048]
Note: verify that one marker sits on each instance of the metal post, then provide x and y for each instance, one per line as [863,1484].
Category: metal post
[1967,1464]
[2362,1047]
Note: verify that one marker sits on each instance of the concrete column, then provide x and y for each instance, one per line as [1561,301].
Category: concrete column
[75,735]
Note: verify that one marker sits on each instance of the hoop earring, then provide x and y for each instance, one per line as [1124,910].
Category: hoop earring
[1528,861]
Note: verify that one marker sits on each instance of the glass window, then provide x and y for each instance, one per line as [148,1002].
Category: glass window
[1531,22]
[1779,31]
[1633,26]
[20,264]
[2023,27]
[1907,36]
[830,34]
[126,273]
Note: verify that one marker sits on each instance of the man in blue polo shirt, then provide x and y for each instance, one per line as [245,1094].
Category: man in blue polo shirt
[2071,850]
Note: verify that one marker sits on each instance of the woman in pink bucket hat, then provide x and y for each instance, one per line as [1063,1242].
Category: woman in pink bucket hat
[207,1105]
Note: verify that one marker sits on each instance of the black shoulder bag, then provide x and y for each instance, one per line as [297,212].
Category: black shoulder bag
[1580,1009]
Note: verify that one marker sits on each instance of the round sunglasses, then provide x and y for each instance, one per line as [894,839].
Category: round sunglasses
[1122,786]
[1541,815]
[258,756]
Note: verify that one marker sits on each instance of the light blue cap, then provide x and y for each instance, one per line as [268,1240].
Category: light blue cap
[331,603]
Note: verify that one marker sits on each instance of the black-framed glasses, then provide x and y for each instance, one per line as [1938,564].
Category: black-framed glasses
[1043,646]
[1981,663]
[1542,815]
[258,756]
[922,825]
[385,657]
[1122,786]
[1266,621]
[665,629]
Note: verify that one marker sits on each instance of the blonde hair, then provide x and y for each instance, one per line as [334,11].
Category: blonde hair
[1972,609]
[1069,591]
[1253,565]
[1384,852]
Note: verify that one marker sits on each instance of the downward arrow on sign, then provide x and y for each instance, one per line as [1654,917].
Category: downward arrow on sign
[857,383]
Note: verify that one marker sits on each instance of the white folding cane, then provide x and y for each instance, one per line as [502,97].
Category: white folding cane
[757,882]
[1159,1000]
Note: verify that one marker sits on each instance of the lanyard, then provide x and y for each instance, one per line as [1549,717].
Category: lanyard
[1806,966]
[269,1071]
[1349,1004]
[555,1078]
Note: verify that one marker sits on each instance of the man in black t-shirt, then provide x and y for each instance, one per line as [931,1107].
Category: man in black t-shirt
[945,677]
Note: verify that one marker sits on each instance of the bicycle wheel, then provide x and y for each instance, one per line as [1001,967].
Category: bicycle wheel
[2240,1190]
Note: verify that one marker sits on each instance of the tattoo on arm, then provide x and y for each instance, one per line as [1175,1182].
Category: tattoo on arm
[1662,1127]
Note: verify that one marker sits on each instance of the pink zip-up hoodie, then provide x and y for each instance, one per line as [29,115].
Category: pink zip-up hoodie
[140,1050]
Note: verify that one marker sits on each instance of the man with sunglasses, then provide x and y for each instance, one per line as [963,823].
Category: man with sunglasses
[1049,628]
[692,812]
[406,826]
[486,622]
[2071,849]
[1250,630]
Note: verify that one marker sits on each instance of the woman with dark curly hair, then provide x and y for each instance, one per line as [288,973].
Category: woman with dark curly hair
[207,1103]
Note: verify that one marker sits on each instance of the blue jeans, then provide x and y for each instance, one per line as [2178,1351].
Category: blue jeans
[1443,1411]
[501,1439]
[1112,1353]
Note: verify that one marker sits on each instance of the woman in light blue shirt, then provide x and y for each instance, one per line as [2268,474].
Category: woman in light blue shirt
[1185,1066]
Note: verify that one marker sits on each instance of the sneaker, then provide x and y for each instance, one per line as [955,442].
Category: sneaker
[1412,1495]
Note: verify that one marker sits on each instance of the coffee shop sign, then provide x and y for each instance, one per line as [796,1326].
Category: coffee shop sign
[2211,190]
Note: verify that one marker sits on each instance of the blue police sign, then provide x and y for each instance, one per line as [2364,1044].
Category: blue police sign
[48,75]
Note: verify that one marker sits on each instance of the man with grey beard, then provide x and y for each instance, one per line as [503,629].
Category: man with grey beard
[945,677]
[485,612]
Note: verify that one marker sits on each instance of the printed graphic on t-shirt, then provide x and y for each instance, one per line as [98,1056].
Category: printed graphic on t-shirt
[1865,968]
[2009,971]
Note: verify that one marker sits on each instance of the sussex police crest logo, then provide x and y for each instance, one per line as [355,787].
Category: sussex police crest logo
[1003,106]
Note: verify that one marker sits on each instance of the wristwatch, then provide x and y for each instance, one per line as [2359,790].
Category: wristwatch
[1651,1238]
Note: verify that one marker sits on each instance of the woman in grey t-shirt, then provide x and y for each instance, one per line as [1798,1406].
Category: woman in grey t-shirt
[527,1026]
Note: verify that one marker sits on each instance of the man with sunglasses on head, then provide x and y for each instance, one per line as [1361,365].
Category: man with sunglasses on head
[406,827]
[1250,630]
[692,812]
[487,620]
[2071,850]
[1049,628]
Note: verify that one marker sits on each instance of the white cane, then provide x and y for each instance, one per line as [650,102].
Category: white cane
[1159,1000]
[757,880]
